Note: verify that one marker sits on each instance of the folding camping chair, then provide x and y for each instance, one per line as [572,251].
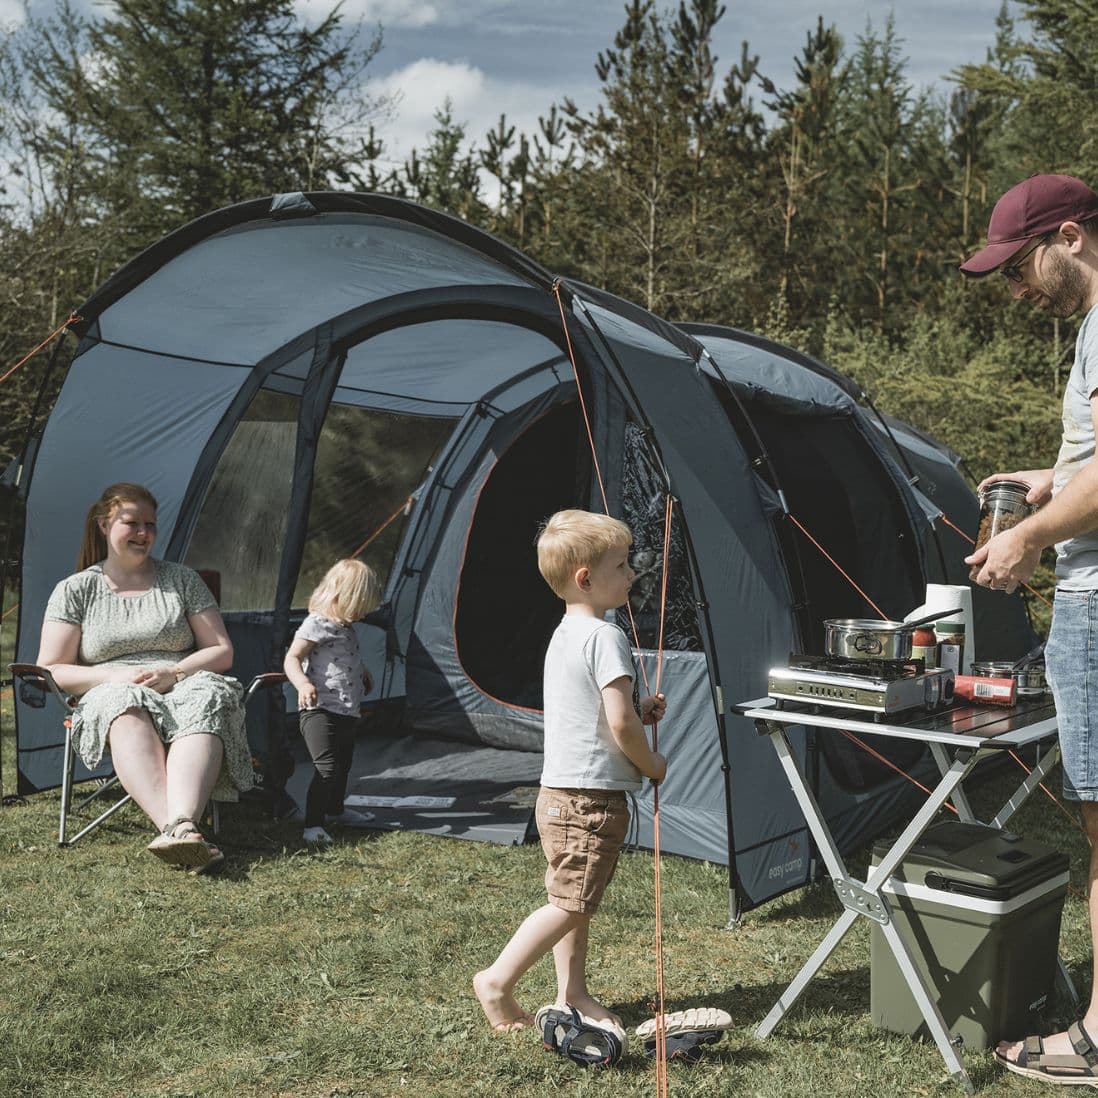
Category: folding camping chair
[40,682]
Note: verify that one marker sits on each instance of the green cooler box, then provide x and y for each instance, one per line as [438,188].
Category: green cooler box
[980,910]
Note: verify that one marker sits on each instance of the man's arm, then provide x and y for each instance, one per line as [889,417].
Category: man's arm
[1010,558]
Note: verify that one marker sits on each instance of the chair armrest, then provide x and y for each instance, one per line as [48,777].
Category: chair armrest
[264,681]
[40,678]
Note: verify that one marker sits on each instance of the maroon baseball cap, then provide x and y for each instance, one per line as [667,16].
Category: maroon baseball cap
[1037,205]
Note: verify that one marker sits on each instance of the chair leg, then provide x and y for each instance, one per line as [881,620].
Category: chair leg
[68,765]
[66,785]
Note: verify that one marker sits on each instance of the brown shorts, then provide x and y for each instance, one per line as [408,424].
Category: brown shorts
[582,832]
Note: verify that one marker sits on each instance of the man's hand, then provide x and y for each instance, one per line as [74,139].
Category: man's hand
[653,709]
[367,681]
[1038,481]
[306,697]
[1005,561]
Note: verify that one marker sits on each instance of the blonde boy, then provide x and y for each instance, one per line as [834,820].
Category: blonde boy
[596,749]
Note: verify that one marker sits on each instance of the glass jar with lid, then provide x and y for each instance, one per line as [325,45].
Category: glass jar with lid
[1002,506]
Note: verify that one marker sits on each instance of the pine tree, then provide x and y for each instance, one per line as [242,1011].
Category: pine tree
[179,107]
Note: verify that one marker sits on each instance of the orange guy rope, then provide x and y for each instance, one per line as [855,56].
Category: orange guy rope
[579,391]
[661,1001]
[73,319]
[661,1032]
[406,505]
[890,764]
[796,522]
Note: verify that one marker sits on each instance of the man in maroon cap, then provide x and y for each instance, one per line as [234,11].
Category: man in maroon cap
[1043,237]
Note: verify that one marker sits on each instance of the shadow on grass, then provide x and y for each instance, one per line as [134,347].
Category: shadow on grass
[246,834]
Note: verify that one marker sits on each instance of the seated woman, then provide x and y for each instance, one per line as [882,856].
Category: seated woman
[141,642]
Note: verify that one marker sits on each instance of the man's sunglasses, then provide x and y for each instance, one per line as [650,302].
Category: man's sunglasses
[1013,271]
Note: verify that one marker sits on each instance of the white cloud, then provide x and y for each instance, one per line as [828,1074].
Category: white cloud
[478,101]
[13,13]
[390,13]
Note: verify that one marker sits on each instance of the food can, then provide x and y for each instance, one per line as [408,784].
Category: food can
[1030,681]
[1002,506]
[997,691]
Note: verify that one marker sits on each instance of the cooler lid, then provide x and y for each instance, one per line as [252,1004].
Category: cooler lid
[973,859]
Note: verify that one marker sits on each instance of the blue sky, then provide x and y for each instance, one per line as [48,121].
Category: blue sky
[520,56]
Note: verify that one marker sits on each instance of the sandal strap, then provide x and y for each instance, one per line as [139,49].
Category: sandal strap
[1083,1045]
[170,829]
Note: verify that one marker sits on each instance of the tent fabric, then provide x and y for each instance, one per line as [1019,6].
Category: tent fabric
[301,378]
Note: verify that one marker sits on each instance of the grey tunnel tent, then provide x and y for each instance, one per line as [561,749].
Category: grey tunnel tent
[302,378]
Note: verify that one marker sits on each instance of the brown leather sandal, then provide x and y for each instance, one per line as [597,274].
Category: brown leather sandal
[182,843]
[1079,1068]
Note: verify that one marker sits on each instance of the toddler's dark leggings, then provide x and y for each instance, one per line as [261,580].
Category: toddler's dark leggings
[330,738]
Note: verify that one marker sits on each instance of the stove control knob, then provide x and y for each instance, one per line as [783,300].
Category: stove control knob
[932,692]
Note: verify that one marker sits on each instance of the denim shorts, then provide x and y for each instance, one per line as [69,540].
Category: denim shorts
[1071,660]
[582,832]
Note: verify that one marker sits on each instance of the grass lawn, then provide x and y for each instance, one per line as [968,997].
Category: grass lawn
[347,972]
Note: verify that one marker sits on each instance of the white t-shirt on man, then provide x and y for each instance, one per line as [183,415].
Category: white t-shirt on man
[585,654]
[1077,558]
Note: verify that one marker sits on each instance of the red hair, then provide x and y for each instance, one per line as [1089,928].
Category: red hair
[93,548]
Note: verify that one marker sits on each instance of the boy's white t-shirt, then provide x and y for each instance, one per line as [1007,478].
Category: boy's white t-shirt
[584,655]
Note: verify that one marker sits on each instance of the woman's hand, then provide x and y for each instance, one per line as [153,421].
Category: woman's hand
[367,681]
[160,679]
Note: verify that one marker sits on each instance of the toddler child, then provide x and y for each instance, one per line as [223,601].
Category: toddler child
[324,663]
[595,750]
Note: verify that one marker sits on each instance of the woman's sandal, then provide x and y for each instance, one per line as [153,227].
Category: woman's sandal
[1078,1069]
[182,844]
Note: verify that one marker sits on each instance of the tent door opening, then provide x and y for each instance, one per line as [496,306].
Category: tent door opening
[505,612]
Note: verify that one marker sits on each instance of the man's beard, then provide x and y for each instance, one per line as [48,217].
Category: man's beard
[1064,286]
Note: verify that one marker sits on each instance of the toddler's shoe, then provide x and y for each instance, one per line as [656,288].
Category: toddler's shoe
[317,836]
[350,818]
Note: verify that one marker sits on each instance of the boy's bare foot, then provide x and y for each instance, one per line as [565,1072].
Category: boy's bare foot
[500,1006]
[591,1008]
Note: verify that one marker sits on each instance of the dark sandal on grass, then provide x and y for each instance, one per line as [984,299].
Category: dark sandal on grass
[1079,1069]
[572,1034]
[181,843]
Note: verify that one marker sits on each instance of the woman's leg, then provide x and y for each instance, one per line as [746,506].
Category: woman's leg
[139,759]
[193,764]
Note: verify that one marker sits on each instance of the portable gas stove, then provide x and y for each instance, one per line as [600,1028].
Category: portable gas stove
[881,687]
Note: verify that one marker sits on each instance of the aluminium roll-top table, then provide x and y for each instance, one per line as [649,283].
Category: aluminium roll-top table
[958,738]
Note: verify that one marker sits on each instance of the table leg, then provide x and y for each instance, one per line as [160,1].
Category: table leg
[960,800]
[849,889]
[1033,779]
[793,992]
[927,1006]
